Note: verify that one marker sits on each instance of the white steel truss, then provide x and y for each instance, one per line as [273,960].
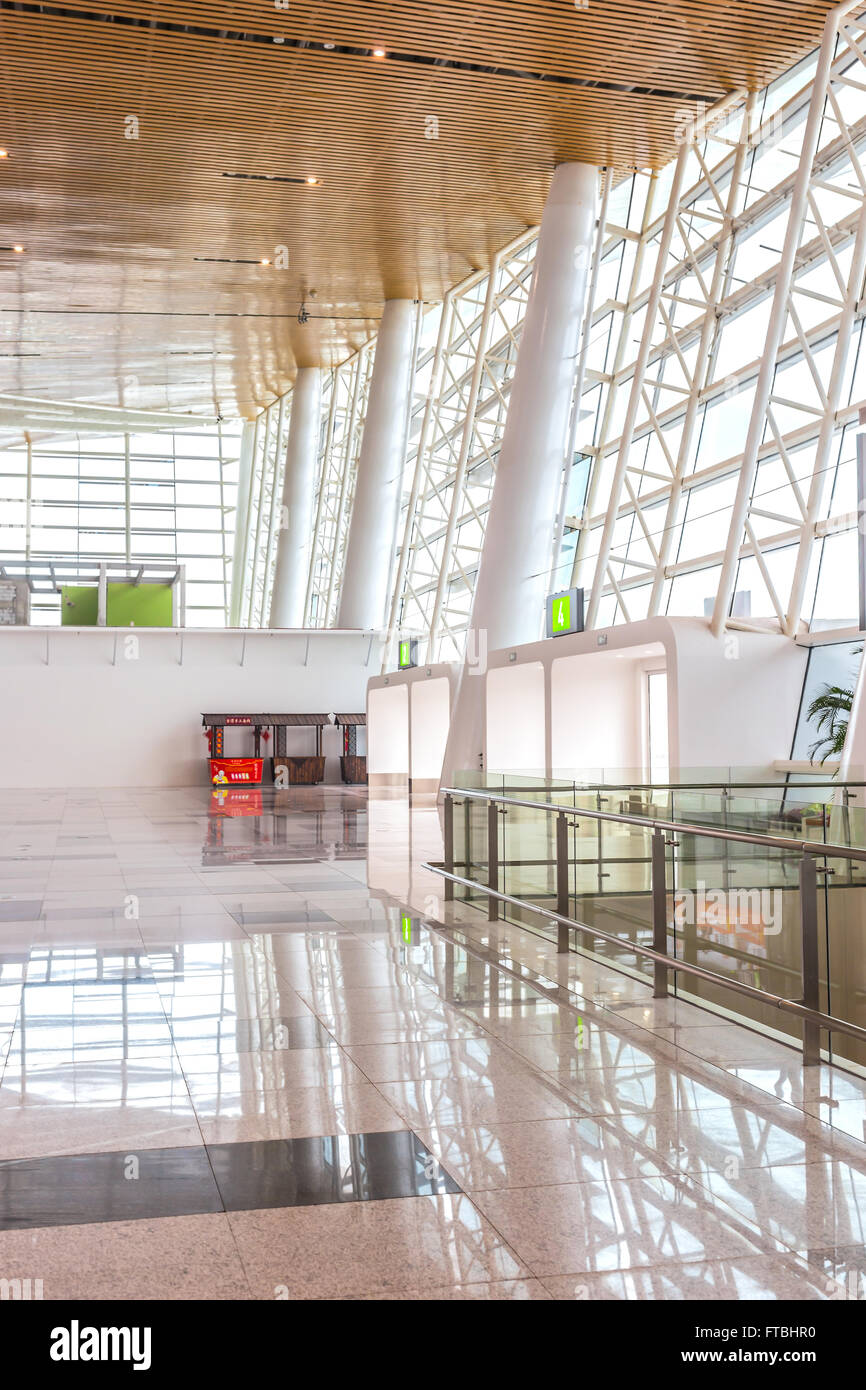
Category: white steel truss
[458,419]
[344,407]
[260,488]
[649,486]
[821,225]
[718,383]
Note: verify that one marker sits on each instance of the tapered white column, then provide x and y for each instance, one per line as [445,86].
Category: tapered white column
[296,516]
[518,541]
[242,521]
[373,527]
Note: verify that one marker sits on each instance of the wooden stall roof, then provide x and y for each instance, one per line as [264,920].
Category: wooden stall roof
[351,719]
[274,720]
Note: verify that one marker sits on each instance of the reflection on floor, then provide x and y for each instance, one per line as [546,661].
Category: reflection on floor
[247,1052]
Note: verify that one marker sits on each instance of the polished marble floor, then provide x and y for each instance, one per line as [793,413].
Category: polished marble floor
[247,1051]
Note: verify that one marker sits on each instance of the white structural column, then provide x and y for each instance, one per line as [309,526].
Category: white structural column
[518,542]
[373,526]
[296,518]
[242,521]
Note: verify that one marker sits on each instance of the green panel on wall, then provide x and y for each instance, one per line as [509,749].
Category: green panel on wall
[79,605]
[145,605]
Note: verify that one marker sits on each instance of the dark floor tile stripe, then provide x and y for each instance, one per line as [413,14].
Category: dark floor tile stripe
[88,1189]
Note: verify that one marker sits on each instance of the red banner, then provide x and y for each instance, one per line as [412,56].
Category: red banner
[233,801]
[233,772]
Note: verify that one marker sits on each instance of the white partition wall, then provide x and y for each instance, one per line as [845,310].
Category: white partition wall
[582,706]
[114,707]
[430,717]
[516,719]
[408,718]
[388,736]
[599,712]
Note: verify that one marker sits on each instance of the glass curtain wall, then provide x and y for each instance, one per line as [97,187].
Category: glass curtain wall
[689,266]
[163,497]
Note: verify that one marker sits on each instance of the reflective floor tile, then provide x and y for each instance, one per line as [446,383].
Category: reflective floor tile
[84,1188]
[325,1067]
[804,1205]
[504,1291]
[436,1060]
[465,1102]
[538,1153]
[615,1225]
[117,1083]
[335,1168]
[343,1250]
[750,1277]
[301,916]
[31,1130]
[20,911]
[403,1026]
[584,1047]
[254,1035]
[330,999]
[290,1113]
[180,1257]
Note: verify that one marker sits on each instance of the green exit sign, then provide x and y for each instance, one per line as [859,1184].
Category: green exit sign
[565,612]
[407,653]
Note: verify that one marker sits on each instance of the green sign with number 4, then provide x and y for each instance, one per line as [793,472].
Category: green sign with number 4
[565,612]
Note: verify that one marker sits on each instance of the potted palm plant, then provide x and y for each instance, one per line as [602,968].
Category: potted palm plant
[830,710]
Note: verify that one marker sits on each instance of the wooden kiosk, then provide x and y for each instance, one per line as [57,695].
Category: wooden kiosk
[303,770]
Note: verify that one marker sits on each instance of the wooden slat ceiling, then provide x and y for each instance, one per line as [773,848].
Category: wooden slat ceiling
[121,296]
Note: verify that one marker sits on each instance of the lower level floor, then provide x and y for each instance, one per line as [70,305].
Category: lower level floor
[247,1051]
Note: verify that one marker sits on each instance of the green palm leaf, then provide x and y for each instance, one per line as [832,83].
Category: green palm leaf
[830,711]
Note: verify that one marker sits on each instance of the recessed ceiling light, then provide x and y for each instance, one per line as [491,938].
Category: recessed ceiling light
[271,178]
[264,261]
[329,45]
[312,179]
[4,154]
[19,249]
[378,53]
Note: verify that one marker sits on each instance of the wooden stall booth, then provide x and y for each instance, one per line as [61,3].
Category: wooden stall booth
[298,769]
[305,769]
[353,765]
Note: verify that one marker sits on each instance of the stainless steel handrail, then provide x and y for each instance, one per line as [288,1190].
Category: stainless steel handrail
[764,996]
[809,851]
[828,782]
[816,847]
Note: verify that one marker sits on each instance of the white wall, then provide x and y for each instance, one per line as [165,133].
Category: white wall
[431,714]
[388,732]
[736,697]
[87,707]
[598,713]
[516,719]
[732,701]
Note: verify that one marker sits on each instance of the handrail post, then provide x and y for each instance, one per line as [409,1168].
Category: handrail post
[492,860]
[660,914]
[562,902]
[448,828]
[809,948]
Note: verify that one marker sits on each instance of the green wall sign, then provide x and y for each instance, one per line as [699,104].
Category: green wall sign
[407,653]
[565,612]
